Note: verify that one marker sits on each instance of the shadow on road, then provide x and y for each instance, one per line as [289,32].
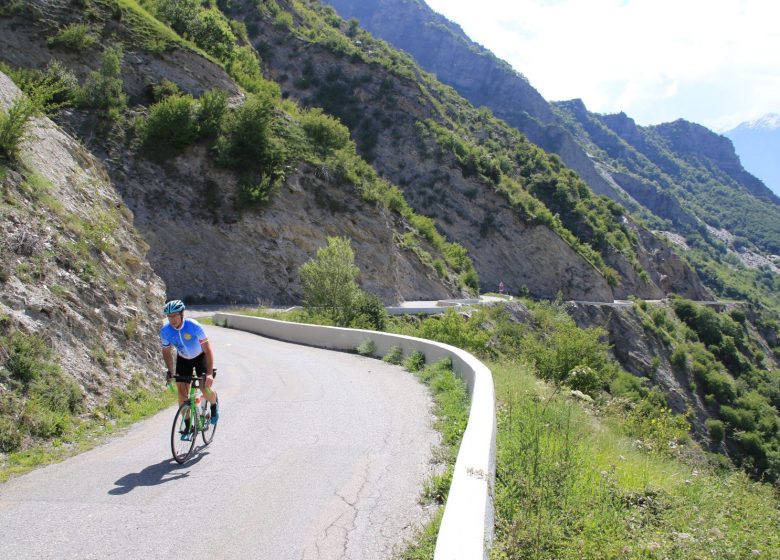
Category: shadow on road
[164,471]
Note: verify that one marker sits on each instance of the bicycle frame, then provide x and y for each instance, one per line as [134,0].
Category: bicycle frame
[192,418]
[194,400]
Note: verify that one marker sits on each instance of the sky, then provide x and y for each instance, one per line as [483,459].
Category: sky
[713,62]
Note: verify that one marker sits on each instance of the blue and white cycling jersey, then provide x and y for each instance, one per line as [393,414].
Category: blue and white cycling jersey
[187,339]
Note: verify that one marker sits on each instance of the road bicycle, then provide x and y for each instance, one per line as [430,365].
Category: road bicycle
[184,432]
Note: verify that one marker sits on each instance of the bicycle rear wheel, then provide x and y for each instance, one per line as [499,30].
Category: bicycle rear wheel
[183,428]
[208,428]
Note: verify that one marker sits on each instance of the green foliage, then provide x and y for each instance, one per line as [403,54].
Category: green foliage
[177,13]
[325,133]
[50,89]
[42,400]
[104,89]
[716,430]
[330,288]
[415,361]
[284,20]
[164,89]
[75,37]
[394,356]
[368,312]
[170,126]
[366,348]
[586,380]
[247,142]
[210,111]
[13,124]
[569,487]
[557,346]
[452,328]
[210,30]
[330,281]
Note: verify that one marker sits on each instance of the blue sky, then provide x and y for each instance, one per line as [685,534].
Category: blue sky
[714,62]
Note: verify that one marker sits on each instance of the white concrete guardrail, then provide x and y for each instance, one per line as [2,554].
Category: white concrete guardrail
[466,528]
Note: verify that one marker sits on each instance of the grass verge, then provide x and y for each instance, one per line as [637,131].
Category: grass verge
[451,409]
[569,486]
[125,407]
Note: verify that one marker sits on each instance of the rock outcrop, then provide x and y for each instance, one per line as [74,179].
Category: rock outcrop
[74,269]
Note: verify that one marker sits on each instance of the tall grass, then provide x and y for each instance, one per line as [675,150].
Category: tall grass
[570,486]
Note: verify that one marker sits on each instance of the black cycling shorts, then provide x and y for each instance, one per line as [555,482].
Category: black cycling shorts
[186,366]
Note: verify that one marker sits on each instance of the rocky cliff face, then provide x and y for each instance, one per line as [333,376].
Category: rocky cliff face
[442,48]
[73,267]
[681,172]
[384,110]
[645,355]
[201,244]
[208,251]
[598,147]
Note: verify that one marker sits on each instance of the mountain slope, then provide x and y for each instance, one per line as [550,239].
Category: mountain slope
[438,148]
[78,300]
[207,242]
[700,192]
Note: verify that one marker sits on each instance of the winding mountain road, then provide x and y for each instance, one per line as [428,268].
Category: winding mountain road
[318,455]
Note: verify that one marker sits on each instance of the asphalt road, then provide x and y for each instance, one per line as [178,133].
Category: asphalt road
[318,455]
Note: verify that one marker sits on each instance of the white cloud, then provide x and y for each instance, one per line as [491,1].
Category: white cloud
[644,57]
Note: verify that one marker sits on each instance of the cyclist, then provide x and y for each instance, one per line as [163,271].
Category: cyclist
[193,352]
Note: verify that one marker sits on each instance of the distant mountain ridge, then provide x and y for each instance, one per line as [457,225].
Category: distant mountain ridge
[678,175]
[757,143]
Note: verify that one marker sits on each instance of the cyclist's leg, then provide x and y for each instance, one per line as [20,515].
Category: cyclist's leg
[184,371]
[208,392]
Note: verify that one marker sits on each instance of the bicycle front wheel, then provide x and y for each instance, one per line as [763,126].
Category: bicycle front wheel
[208,428]
[183,434]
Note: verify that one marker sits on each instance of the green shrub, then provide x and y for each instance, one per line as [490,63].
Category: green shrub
[11,436]
[325,133]
[13,124]
[28,356]
[714,381]
[211,110]
[585,379]
[74,37]
[283,20]
[210,30]
[50,89]
[366,348]
[367,312]
[394,356]
[178,14]
[42,422]
[58,393]
[164,89]
[561,347]
[247,141]
[738,418]
[329,281]
[452,328]
[170,126]
[716,430]
[627,385]
[104,89]
[415,361]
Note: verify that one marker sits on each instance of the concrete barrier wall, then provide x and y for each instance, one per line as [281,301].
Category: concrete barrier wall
[467,526]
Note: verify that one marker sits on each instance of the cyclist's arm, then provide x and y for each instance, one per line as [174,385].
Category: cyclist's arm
[204,344]
[167,353]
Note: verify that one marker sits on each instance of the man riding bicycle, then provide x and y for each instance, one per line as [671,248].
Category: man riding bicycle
[193,353]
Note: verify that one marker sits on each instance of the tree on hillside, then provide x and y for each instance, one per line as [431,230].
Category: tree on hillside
[330,288]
